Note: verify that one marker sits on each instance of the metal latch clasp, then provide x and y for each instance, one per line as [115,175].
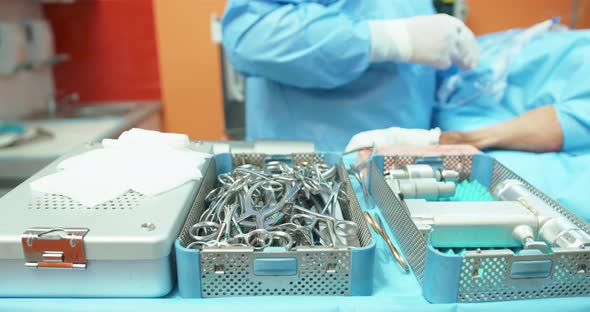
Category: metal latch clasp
[54,248]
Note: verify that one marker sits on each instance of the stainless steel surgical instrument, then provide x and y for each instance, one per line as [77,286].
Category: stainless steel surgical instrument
[275,206]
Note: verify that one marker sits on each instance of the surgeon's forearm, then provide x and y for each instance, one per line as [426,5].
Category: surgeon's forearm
[538,130]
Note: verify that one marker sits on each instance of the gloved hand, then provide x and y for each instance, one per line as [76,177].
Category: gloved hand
[437,40]
[393,136]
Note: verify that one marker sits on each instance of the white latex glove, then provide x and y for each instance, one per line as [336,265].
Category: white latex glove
[393,136]
[438,40]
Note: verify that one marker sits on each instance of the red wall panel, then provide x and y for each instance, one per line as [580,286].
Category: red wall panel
[113,49]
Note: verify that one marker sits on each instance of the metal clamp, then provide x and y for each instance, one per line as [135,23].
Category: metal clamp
[54,248]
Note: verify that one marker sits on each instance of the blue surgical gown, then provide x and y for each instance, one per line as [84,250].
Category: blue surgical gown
[308,70]
[552,69]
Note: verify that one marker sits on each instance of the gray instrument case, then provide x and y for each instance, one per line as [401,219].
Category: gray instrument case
[51,246]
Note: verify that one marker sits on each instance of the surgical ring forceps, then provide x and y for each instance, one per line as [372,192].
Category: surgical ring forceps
[261,238]
[276,205]
[262,216]
[341,232]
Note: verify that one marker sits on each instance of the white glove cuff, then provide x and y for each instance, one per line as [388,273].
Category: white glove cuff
[390,41]
[433,136]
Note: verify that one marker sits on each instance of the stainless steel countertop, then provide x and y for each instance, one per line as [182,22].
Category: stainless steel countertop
[20,162]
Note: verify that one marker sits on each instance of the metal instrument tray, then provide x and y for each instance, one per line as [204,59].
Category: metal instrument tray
[479,275]
[228,272]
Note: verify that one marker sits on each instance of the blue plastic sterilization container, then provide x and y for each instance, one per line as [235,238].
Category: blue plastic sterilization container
[225,272]
[480,274]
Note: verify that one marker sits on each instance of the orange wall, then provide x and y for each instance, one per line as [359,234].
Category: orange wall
[190,72]
[487,16]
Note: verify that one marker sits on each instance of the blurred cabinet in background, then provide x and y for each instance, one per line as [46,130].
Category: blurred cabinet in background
[24,91]
[13,50]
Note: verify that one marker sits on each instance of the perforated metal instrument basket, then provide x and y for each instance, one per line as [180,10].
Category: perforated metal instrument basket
[227,272]
[480,275]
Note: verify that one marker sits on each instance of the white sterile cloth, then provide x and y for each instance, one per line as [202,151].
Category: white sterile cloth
[393,136]
[148,162]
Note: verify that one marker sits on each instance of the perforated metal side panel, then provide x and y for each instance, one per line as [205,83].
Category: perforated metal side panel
[323,272]
[356,213]
[487,277]
[199,203]
[129,200]
[392,162]
[252,159]
[258,159]
[460,163]
[412,242]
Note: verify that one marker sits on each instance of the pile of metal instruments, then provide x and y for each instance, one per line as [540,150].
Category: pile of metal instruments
[276,206]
